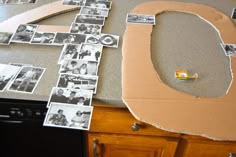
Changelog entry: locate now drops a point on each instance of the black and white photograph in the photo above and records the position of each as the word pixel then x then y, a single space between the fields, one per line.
pixel 90 52
pixel 26 80
pixel 5 38
pixel 69 51
pixel 83 28
pixel 107 40
pixel 94 11
pixel 90 19
pixel 81 67
pixel 71 96
pixel 20 1
pixel 27 1
pixel 69 116
pixel 229 49
pixel 69 38
pixel 141 19
pixel 43 38
pixel 98 4
pixel 7 73
pixel 87 82
pixel 74 2
pixel 24 33
pixel 233 16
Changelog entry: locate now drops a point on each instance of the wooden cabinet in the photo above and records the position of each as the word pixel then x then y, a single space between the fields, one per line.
pixel 131 146
pixel 192 146
pixel 115 132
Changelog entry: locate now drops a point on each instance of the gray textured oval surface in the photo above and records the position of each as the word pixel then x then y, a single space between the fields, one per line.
pixel 184 41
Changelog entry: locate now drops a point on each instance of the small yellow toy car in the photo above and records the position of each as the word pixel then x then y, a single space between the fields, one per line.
pixel 183 75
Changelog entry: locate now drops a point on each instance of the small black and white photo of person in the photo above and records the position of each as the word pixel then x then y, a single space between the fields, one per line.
pixel 5 38
pixel 69 38
pixel 90 52
pixel 90 19
pixel 7 73
pixel 81 67
pixel 24 33
pixel 87 82
pixel 69 51
pixel 58 95
pixel 98 4
pixel 71 96
pixel 233 16
pixel 74 2
pixel 141 19
pixel 83 28
pixel 43 38
pixel 229 49
pixel 58 118
pixel 94 11
pixel 68 116
pixel 81 119
pixel 107 40
pixel 27 79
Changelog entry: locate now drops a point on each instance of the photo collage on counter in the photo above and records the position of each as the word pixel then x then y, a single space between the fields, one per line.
pixel 70 101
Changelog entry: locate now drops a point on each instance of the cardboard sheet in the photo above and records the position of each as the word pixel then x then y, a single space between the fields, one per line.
pixel 36 15
pixel 156 103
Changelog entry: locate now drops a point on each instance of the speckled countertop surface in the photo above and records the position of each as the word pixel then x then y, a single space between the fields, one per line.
pixel 176 36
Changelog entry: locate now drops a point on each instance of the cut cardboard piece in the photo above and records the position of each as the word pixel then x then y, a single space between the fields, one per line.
pixel 153 102
pixel 38 14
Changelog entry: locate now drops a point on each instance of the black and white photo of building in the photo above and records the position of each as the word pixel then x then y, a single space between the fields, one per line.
pixel 90 19
pixel 141 19
pixel 86 82
pixel 94 11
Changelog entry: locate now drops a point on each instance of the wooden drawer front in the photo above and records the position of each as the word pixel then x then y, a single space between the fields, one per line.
pixel 120 120
pixel 131 146
pixel 197 148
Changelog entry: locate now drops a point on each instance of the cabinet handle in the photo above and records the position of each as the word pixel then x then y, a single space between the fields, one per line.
pixel 232 154
pixel 135 127
pixel 95 143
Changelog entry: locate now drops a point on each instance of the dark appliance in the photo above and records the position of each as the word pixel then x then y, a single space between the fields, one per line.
pixel 22 132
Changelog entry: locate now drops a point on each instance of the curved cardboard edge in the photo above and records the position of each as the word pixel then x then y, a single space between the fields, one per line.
pixel 160 105
pixel 35 15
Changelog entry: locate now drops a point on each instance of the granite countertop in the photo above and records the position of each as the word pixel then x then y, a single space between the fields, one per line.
pixel 170 27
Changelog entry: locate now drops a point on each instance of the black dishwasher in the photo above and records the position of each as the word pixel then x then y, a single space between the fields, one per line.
pixel 22 132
